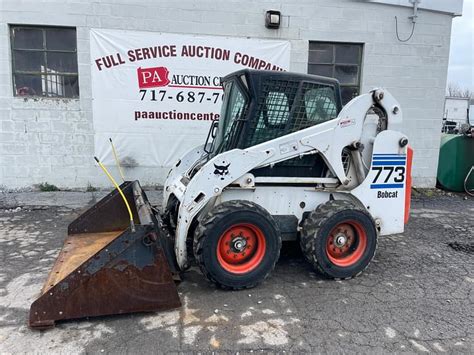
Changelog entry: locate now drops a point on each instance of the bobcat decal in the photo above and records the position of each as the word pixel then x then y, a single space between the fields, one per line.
pixel 221 170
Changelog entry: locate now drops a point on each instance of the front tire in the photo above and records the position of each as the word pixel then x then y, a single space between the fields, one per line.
pixel 339 239
pixel 237 244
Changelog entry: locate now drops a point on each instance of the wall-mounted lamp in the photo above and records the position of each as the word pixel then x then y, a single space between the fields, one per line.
pixel 272 19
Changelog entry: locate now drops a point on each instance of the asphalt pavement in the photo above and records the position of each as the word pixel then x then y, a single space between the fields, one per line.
pixel 416 297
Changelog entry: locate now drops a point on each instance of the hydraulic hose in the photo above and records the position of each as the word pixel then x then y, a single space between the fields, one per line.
pixel 132 223
pixel 116 159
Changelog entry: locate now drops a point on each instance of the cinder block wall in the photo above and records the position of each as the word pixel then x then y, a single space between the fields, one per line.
pixel 52 139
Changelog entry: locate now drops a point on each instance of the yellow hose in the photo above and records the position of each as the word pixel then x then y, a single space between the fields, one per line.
pixel 132 224
pixel 116 159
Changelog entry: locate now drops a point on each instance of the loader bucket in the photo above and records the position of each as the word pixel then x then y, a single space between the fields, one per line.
pixel 105 268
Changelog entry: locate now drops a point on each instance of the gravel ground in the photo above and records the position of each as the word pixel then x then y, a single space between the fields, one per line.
pixel 417 296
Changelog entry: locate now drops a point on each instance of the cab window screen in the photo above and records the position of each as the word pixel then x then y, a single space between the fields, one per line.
pixel 288 106
pixel 315 104
pixel 277 109
pixel 273 111
pixel 320 104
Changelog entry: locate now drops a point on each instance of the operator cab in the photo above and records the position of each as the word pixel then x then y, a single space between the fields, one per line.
pixel 263 105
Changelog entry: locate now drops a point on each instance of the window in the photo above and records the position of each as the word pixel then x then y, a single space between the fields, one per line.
pixel 337 60
pixel 237 103
pixel 234 108
pixel 44 61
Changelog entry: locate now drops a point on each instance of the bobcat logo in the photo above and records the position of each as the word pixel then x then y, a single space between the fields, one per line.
pixel 221 170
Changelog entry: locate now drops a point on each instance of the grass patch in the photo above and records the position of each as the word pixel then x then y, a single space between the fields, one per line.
pixel 44 187
pixel 417 192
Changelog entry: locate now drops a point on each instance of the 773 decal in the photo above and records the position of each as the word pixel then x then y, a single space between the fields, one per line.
pixel 390 171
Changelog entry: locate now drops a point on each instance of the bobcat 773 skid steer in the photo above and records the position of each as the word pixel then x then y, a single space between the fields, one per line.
pixel 285 162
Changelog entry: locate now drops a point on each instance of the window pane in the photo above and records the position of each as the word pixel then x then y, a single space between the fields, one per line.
pixel 28 61
pixel 348 93
pixel 321 53
pixel 62 62
pixel 348 54
pixel 61 39
pixel 71 86
pixel 26 85
pixel 347 74
pixel 323 70
pixel 60 85
pixel 27 38
pixel 54 85
pixel 237 106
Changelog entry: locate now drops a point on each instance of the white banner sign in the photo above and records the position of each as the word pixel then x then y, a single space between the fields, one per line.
pixel 156 94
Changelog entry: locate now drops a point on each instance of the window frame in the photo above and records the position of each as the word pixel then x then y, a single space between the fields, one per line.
pixel 334 63
pixel 226 122
pixel 44 50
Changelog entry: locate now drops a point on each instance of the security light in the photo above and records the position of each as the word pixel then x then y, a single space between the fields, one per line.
pixel 272 19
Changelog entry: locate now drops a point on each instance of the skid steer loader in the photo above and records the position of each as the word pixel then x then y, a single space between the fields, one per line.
pixel 284 162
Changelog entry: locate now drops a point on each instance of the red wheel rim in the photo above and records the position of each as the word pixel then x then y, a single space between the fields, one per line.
pixel 346 243
pixel 241 248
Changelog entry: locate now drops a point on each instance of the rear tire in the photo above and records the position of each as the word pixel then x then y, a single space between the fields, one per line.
pixel 237 244
pixel 339 239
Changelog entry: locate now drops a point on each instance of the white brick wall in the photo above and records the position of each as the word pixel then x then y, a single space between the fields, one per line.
pixel 52 140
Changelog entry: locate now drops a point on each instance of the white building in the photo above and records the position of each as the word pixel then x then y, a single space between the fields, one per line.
pixel 51 94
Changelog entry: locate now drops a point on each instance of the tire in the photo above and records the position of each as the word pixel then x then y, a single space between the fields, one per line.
pixel 339 239
pixel 237 245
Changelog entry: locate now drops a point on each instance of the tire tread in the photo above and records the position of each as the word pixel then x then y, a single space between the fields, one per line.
pixel 312 225
pixel 208 223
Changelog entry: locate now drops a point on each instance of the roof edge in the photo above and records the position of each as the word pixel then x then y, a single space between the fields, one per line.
pixel 451 7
